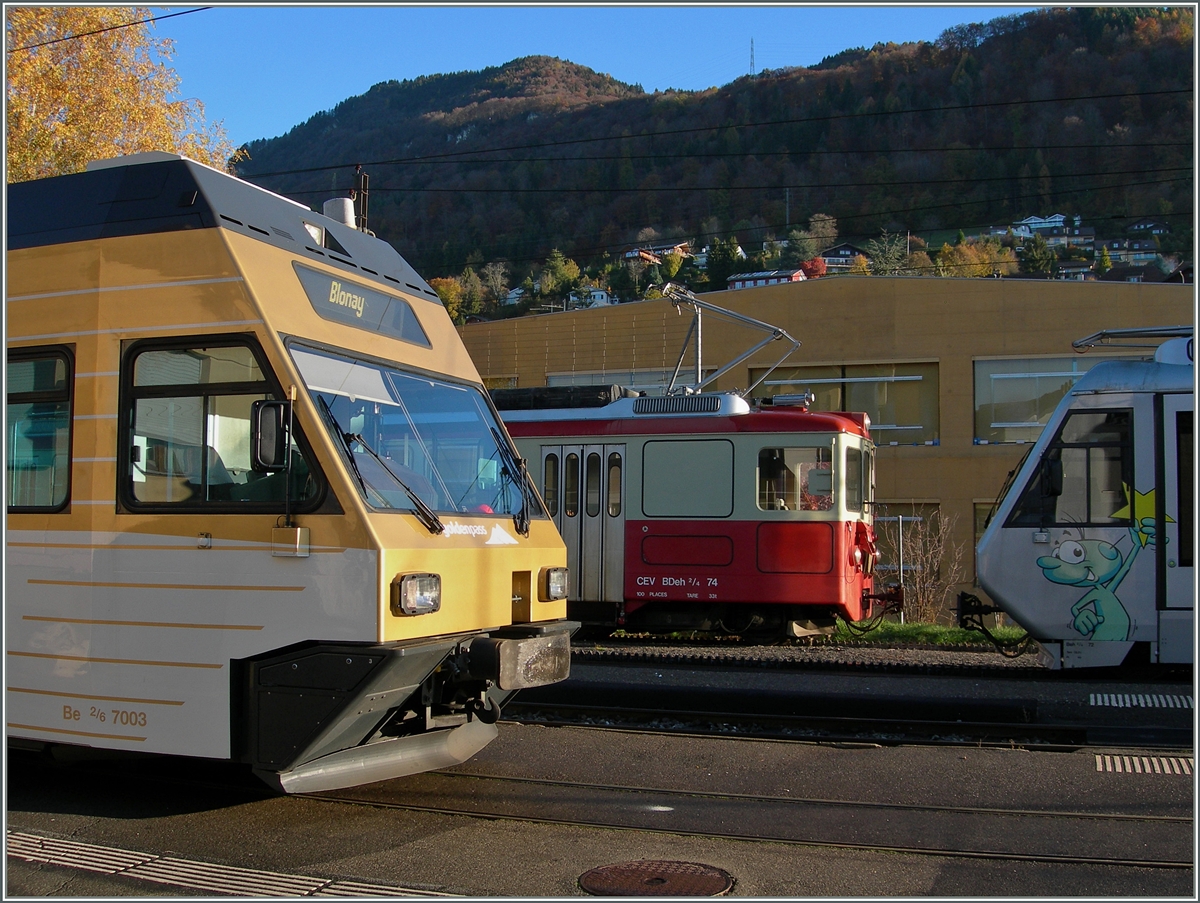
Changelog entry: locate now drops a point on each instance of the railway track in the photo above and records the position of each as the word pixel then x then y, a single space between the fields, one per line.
pixel 756 692
pixel 1058 837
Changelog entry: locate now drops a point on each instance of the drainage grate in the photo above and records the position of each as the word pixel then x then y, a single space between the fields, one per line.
pixel 1144 764
pixel 1141 700
pixel 656 878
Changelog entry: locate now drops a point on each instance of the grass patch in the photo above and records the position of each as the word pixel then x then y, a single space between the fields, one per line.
pixel 932 634
pixel 886 632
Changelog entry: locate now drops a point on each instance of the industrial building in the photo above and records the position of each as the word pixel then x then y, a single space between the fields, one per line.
pixel 957 375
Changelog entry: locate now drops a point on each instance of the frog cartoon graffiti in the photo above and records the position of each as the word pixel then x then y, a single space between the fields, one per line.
pixel 1100 567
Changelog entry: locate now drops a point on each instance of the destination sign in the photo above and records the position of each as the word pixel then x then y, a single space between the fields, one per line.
pixel 352 304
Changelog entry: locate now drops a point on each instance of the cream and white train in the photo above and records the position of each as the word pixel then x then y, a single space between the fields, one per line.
pixel 260 507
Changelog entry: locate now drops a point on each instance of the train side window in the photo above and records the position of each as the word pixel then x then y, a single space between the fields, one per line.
pixel 38 422
pixel 614 485
pixel 795 479
pixel 1184 459
pixel 854 479
pixel 571 486
pixel 550 483
pixel 593 484
pixel 189 430
pixel 1083 475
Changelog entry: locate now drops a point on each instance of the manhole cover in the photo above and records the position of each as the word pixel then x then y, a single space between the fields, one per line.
pixel 656 878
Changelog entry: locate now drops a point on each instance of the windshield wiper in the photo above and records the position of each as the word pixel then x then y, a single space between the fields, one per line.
pixel 517 465
pixel 344 438
pixel 425 514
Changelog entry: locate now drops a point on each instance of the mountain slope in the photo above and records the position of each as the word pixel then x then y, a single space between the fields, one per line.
pixel 1078 111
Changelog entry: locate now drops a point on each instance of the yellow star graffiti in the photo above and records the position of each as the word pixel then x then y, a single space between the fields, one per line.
pixel 1141 504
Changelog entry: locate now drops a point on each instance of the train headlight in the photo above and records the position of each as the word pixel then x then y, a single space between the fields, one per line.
pixel 416 594
pixel 552 584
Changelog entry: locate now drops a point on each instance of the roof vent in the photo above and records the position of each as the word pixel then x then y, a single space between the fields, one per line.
pixel 341 210
pixel 677 404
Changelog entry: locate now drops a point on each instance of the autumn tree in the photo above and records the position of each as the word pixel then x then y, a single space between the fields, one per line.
pixel 671 262
pixel 472 291
pixel 495 279
pixel 450 293
pixel 90 83
pixel 975 258
pixel 813 269
pixel 559 276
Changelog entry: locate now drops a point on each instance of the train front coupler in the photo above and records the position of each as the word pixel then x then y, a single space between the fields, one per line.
pixel 892 598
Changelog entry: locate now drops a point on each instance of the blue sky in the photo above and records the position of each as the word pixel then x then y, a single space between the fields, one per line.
pixel 263 70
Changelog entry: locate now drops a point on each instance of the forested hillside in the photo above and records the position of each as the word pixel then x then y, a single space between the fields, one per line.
pixel 1076 111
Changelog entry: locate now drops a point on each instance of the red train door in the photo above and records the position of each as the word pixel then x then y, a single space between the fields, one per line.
pixel 584 487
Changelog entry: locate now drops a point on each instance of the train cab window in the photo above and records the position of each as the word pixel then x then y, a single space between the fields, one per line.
pixel 189 440
pixel 550 483
pixel 593 484
pixel 38 422
pixel 571 486
pixel 1082 477
pixel 1184 459
pixel 795 479
pixel 854 479
pixel 614 485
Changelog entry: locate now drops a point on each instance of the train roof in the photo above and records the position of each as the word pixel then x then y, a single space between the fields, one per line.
pixel 1135 376
pixel 609 410
pixel 159 192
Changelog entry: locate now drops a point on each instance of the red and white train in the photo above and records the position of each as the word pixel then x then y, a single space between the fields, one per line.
pixel 701 511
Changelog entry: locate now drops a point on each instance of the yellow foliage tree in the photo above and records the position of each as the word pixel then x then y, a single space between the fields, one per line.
pixel 84 84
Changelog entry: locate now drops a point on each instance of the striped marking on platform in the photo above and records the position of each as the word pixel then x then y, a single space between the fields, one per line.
pixel 203 876
pixel 1141 700
pixel 1145 764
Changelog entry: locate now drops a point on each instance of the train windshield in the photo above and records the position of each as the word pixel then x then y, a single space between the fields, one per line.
pixel 406 434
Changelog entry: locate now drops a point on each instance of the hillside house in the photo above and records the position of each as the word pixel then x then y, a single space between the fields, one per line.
pixel 767 277
pixel 1130 250
pixel 652 255
pixel 584 298
pixel 1147 226
pixel 840 258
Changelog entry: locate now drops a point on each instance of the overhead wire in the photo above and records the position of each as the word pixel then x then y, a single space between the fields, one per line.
pixel 688 188
pixel 88 34
pixel 716 128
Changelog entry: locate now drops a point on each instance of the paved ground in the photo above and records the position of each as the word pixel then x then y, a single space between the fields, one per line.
pixel 475 856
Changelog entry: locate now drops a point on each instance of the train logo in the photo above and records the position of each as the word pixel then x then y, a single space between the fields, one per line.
pixel 1100 566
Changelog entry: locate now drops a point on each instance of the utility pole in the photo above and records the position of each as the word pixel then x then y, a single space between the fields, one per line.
pixel 787 218
pixel 752 57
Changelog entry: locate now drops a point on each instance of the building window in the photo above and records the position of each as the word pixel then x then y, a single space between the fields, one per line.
pixel 1014 398
pixel 188 446
pixel 900 399
pixel 38 422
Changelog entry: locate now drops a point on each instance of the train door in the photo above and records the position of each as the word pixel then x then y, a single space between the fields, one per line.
pixel 583 486
pixel 1176 569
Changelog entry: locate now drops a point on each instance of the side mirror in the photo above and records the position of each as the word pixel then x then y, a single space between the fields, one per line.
pixel 269 438
pixel 1052 477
